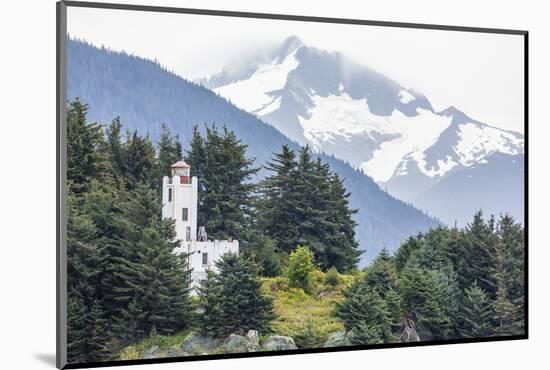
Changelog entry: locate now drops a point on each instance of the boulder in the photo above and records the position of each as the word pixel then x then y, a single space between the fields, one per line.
pixel 240 344
pixel 253 336
pixel 195 344
pixel 337 339
pixel 151 352
pixel 424 332
pixel 176 352
pixel 278 343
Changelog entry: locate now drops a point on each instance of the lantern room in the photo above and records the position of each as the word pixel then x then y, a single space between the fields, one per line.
pixel 182 170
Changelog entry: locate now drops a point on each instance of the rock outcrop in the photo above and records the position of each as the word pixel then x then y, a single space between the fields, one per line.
pixel 197 344
pixel 151 352
pixel 337 339
pixel 278 343
pixel 240 344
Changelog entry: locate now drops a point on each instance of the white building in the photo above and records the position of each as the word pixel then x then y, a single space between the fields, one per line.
pixel 180 202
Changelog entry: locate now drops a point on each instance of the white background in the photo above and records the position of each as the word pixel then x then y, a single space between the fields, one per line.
pixel 27 183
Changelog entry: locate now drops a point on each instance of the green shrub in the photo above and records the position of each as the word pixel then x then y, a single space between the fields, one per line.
pixel 308 334
pixel 300 268
pixel 332 277
pixel 276 283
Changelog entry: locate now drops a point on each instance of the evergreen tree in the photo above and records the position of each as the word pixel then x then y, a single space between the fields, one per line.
pixel 434 253
pixel 479 255
pixel 313 207
pixel 111 245
pixel 365 315
pixel 475 314
pixel 451 299
pixel 381 277
pixel 343 247
pixel 279 217
pixel 226 188
pixel 508 306
pixel 157 279
pixel 262 250
pixel 455 249
pixel 304 203
pixel 393 303
pixel 127 325
pixel 98 346
pixel 424 292
pixel 511 256
pixel 196 158
pixel 84 159
pixel 169 151
pixel 87 332
pixel 115 146
pixel 140 161
pixel 212 316
pixel 77 328
pixel 408 248
pixel 232 299
pixel 505 314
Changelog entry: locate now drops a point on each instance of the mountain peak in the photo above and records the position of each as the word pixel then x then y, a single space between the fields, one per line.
pixel 288 46
pixel 458 115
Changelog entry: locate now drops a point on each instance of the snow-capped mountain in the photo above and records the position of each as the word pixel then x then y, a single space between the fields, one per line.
pixel 144 94
pixel 363 117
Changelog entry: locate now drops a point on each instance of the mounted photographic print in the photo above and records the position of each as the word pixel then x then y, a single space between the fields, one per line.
pixel 239 184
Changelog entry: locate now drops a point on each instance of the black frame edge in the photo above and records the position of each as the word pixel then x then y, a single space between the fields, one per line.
pixel 526 180
pixel 291 352
pixel 61 194
pixel 290 17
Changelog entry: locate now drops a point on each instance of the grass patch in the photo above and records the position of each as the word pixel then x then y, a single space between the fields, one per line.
pixel 164 342
pixel 308 318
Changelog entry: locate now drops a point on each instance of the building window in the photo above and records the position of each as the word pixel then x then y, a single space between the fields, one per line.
pixel 170 194
pixel 205 258
pixel 188 233
pixel 184 214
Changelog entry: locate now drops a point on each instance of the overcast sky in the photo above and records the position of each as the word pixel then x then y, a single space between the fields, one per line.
pixel 481 74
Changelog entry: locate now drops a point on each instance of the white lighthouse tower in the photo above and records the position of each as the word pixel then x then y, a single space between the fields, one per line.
pixel 180 202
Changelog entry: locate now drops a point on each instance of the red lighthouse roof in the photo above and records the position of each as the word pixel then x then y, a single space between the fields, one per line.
pixel 180 164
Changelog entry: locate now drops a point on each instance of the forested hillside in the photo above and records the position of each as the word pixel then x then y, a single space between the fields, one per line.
pixel 144 95
pixel 445 284
pixel 126 286
pixel 124 280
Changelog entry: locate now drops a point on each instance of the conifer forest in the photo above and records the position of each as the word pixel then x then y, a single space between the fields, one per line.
pixel 296 281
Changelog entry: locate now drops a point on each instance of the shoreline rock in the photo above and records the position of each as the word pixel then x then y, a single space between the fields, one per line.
pixel 337 339
pixel 196 344
pixel 278 343
pixel 240 344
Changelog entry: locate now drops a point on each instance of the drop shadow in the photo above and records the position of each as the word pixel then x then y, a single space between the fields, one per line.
pixel 46 358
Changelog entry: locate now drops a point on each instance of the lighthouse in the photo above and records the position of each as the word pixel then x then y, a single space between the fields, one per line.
pixel 180 199
pixel 180 203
